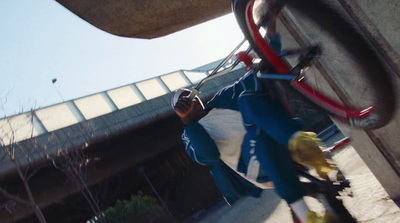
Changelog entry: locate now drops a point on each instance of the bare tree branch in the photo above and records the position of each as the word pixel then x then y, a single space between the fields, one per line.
pixel 15 198
pixel 72 163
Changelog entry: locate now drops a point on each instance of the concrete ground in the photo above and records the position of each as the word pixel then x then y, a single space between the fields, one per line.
pixel 369 204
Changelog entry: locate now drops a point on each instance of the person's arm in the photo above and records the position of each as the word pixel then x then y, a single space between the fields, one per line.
pixel 227 96
pixel 200 149
pixel 231 185
pixel 199 145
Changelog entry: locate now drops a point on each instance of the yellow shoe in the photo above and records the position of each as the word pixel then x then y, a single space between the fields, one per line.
pixel 305 148
pixel 312 217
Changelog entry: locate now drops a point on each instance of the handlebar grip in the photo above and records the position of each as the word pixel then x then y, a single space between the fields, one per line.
pixel 193 93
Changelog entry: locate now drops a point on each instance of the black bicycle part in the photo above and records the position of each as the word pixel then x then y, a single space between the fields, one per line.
pixel 305 59
pixel 329 190
pixel 337 205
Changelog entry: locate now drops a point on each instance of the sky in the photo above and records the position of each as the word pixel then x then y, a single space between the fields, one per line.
pixel 42 40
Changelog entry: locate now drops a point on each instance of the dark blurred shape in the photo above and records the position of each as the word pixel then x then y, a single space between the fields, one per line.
pixel 146 19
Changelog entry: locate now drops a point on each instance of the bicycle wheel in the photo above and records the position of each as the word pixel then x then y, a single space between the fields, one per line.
pixel 370 106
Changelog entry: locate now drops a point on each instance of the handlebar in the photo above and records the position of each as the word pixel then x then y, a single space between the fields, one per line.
pixel 215 72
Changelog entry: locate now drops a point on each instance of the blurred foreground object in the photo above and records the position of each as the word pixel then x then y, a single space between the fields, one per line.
pixel 146 19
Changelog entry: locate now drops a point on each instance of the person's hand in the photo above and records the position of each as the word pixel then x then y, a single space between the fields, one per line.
pixel 183 107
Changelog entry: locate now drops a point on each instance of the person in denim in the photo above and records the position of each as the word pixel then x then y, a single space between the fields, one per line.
pixel 245 136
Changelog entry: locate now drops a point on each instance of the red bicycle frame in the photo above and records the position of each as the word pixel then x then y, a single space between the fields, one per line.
pixel 282 68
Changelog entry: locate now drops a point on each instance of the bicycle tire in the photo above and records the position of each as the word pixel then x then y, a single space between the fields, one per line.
pixel 339 209
pixel 343 31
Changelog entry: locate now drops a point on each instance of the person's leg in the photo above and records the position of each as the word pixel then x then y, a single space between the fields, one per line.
pixel 259 109
pixel 275 164
pixel 275 160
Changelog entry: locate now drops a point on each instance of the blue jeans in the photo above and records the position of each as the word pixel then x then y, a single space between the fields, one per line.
pixel 269 128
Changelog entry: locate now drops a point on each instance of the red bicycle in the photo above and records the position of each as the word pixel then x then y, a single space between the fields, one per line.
pixel 326 40
pixel 330 41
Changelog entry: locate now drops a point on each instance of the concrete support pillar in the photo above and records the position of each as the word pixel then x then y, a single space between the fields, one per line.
pixel 379 22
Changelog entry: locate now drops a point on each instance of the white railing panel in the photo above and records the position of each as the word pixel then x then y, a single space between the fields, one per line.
pixel 16 128
pixel 151 88
pixel 124 97
pixel 93 106
pixel 56 117
pixel 174 81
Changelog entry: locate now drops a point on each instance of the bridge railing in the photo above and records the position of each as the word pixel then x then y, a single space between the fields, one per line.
pixel 40 121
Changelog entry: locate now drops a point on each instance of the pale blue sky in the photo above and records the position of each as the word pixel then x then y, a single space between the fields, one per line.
pixel 41 40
